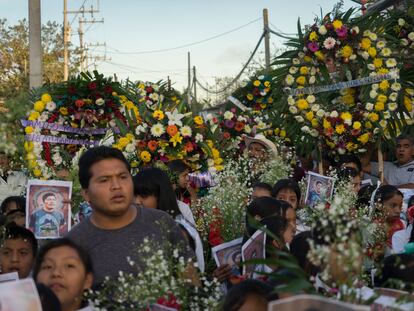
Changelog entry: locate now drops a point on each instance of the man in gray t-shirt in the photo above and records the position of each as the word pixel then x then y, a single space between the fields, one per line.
pixel 117 227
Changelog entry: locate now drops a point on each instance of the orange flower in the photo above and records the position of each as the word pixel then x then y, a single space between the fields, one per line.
pixel 141 144
pixel 172 130
pixel 226 135
pixel 152 145
pixel 189 146
pixel 239 126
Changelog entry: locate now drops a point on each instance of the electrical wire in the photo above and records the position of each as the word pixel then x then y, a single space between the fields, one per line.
pixel 74 17
pixel 238 76
pixel 189 44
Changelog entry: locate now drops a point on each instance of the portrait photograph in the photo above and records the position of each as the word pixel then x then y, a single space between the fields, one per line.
pixel 48 211
pixel 254 248
pixel 228 253
pixel 319 188
pixel 19 295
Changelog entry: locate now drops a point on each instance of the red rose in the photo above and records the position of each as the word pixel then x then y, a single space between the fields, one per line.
pixel 79 103
pixel 226 135
pixel 149 89
pixel 108 89
pixel 92 86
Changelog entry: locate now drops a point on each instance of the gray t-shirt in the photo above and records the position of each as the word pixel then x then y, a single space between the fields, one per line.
pixel 109 249
pixel 396 174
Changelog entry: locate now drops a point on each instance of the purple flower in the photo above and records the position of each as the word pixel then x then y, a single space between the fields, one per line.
pixel 313 46
pixel 229 124
pixel 342 32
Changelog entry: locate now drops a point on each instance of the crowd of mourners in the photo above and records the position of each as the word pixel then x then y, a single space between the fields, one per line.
pixel 157 205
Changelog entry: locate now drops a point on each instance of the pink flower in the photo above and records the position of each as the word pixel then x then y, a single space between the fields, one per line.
pixel 329 43
pixel 313 46
pixel 342 32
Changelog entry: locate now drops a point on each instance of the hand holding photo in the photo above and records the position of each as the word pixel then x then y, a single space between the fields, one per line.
pixel 254 248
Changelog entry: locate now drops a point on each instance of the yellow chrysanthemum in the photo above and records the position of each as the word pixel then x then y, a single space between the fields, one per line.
pixel 384 85
pixel 303 70
pixel 350 146
pixel 46 98
pixel 382 98
pixel 309 115
pixel 282 133
pixel 319 55
pixel 249 96
pixel 349 99
pixel 337 24
pixel 372 52
pixel 346 51
pixel 266 83
pixel 373 117
pixel 28 146
pixel 34 115
pixel 215 153
pixel 301 80
pixel 210 143
pixel 145 156
pixel 377 62
pixel 314 123
pixel 307 59
pixel 158 114
pixel 256 83
pixel 198 120
pixel 330 144
pixel 123 141
pixel 313 36
pixel 326 124
pixel 39 106
pixel 270 100
pixel 363 138
pixel 346 116
pixel 365 43
pixel 383 71
pixel 141 86
pixel 129 136
pixel 63 111
pixel 302 104
pixel 379 106
pixel 368 125
pixel 340 128
pixel 37 172
pixel 408 104
pixel 28 130
pixel 357 125
pixel 277 131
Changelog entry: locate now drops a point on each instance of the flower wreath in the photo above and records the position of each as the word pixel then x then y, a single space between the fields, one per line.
pixel 342 121
pixel 166 131
pixel 257 94
pixel 66 117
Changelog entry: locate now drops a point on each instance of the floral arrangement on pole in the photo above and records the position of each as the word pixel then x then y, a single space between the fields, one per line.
pixel 67 116
pixel 162 282
pixel 257 94
pixel 165 131
pixel 346 117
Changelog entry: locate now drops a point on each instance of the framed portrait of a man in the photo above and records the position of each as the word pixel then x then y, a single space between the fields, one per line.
pixel 319 189
pixel 48 211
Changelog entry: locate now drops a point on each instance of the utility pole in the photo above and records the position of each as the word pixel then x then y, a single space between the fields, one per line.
pixel 168 83
pixel 65 41
pixel 195 84
pixel 189 80
pixel 267 39
pixel 83 47
pixel 35 46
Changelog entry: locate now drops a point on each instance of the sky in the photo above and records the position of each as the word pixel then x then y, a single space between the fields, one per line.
pixel 135 30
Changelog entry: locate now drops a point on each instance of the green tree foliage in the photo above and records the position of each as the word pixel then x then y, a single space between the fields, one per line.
pixel 14 56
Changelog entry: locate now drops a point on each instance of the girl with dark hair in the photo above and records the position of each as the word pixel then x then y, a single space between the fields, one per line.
pixel 388 202
pixel 287 190
pixel 12 203
pixel 179 178
pixel 405 236
pixel 153 189
pixel 66 269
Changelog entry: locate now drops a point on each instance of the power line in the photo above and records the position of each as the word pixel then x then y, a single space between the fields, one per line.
pixel 79 11
pixel 189 44
pixel 240 73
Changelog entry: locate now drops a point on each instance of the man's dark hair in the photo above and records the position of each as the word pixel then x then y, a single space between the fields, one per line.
pixel 48 194
pixel 94 155
pixel 405 136
pixel 83 254
pixel 347 173
pixel 350 158
pixel 19 200
pixel 238 294
pixel 263 185
pixel 14 232
pixel 300 247
pixel 178 166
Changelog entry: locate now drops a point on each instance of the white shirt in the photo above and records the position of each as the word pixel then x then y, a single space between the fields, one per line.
pixel 185 210
pixel 400 238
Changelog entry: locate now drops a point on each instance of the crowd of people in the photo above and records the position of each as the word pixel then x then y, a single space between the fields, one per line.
pixel 156 204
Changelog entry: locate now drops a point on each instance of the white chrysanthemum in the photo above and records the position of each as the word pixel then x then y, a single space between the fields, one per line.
pixel 375 86
pixel 391 62
pixel 396 86
pixel 43 117
pixel 293 110
pixel 312 80
pixel 157 130
pixel 247 129
pixel 367 33
pixel 199 138
pixel 310 99
pixel 142 128
pixel 314 132
pixel 383 123
pixel 369 106
pixel 130 148
pixel 401 22
pixel 355 29
pixel 410 92
pixel 305 129
pixel 373 94
pixel 291 101
pixel 293 70
pixel 386 52
pixel 299 119
pixel 365 55
pixel 353 57
pixel 403 42
pixel 315 107
pixel 373 36
pixel 341 150
pixel 99 102
pixel 334 114
pixel 392 106
pixel 57 159
pixel 289 79
pixel 320 113
pixel 411 36
pixel 186 131
pixel 50 106
pixel 228 115
pixel 295 61
pixel 393 96
pixel 301 55
pixel 322 30
pixel 371 66
pixel 380 44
